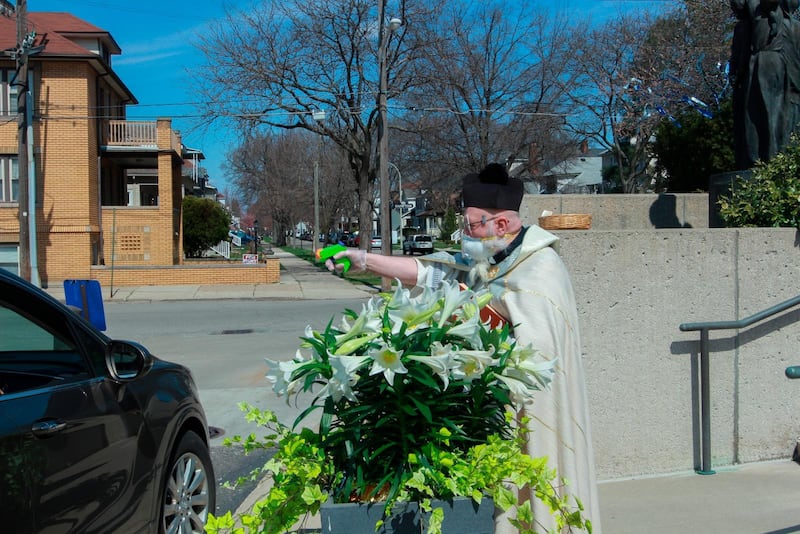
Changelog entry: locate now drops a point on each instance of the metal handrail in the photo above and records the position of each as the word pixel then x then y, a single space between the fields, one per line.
pixel 705 403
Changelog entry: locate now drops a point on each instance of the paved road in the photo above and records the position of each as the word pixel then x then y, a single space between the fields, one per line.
pixel 224 342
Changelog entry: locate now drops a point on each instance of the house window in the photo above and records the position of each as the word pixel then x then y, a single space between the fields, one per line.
pixel 9 91
pixel 9 257
pixel 9 178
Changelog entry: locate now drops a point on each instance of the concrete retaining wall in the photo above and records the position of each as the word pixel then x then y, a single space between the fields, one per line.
pixel 625 212
pixel 634 289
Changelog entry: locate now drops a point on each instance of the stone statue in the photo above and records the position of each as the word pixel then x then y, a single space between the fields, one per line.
pixel 765 68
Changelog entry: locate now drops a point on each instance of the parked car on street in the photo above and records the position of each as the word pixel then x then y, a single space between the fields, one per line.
pixel 352 239
pixel 422 243
pixel 96 435
pixel 375 242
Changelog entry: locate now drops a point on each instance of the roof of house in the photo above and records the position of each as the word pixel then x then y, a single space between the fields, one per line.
pixel 54 31
pixel 58 33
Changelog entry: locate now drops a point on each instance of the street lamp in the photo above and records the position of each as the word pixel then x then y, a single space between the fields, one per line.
pixel 319 116
pixel 383 138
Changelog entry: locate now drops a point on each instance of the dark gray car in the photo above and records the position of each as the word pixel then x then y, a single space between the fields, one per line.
pixel 96 435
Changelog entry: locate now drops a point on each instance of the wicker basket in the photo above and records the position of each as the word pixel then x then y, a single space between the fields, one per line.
pixel 566 221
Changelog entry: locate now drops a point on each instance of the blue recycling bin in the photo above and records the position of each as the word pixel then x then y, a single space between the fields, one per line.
pixel 86 295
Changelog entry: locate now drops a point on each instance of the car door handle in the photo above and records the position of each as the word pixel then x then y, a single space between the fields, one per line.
pixel 45 428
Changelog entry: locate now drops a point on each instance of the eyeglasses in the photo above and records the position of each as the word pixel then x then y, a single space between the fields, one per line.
pixel 469 226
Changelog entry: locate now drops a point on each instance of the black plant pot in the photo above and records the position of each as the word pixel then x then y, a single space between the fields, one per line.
pixel 461 516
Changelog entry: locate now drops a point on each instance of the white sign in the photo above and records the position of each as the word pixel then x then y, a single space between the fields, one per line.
pixel 250 259
pixel 236 240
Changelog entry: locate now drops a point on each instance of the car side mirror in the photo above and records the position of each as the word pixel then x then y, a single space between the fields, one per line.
pixel 127 360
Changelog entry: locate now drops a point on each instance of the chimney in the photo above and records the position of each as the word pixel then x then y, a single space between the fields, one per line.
pixel 585 146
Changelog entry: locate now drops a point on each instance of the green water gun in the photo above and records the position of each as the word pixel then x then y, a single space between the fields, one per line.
pixel 332 250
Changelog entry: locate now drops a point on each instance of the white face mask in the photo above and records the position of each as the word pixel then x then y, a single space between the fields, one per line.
pixel 480 249
pixel 473 249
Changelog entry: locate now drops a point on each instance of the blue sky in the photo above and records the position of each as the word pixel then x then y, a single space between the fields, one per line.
pixel 157 55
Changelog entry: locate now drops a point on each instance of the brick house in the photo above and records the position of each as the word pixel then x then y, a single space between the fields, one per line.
pixel 108 190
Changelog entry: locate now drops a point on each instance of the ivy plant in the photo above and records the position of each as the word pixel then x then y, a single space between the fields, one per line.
pixel 301 473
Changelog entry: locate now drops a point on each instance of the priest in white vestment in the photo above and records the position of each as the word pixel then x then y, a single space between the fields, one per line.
pixel 531 289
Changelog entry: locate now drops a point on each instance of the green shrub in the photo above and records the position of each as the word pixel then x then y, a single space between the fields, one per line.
pixel 449 224
pixel 770 197
pixel 205 223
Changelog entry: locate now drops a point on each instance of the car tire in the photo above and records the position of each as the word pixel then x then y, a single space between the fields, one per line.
pixel 189 488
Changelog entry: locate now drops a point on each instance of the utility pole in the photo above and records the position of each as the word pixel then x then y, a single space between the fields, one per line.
pixel 383 136
pixel 26 192
pixel 21 81
pixel 26 177
pixel 383 145
pixel 319 116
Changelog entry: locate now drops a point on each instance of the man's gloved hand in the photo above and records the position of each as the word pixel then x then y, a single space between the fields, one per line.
pixel 357 257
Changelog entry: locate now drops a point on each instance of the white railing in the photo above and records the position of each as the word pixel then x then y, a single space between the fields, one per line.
pixel 455 237
pixel 223 248
pixel 132 133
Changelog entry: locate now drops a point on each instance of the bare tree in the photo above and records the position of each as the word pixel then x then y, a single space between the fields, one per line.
pixel 257 170
pixel 694 42
pixel 279 62
pixel 488 89
pixel 638 70
pixel 274 172
pixel 232 201
pixel 607 110
pixel 338 197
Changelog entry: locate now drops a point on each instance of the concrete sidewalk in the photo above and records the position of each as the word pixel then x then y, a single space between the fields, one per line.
pixel 756 498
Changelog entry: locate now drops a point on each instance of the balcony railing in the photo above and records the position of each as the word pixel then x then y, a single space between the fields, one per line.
pixel 132 133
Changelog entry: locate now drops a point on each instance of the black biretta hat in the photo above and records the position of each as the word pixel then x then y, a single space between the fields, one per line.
pixel 492 188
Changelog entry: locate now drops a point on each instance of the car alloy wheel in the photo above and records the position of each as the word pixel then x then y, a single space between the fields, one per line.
pixel 189 491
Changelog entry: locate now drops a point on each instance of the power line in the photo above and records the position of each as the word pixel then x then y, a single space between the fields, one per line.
pixel 131 112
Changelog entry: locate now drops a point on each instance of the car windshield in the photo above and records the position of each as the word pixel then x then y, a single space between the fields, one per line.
pixel 424 238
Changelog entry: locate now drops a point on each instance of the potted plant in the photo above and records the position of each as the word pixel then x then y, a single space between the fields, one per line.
pixel 417 396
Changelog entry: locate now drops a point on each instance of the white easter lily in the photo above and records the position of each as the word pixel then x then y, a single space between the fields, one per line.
pixel 387 360
pixel 344 377
pixel 469 330
pixel 441 361
pixel 280 374
pixel 520 390
pixel 310 333
pixel 336 389
pixel 531 362
pixel 346 366
pixel 367 322
pixel 414 313
pixel 454 299
pixel 472 363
